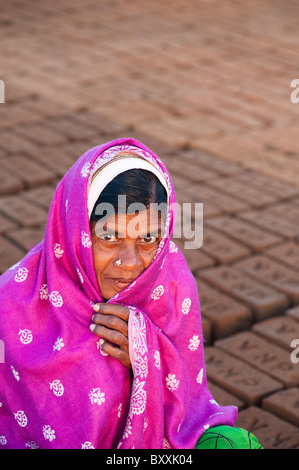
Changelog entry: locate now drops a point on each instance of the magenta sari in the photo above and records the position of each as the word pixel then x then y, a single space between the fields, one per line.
pixel 58 389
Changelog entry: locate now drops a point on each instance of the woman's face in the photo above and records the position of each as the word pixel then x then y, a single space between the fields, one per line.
pixel 132 239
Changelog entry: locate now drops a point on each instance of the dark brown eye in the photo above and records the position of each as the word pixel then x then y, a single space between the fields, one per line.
pixel 149 240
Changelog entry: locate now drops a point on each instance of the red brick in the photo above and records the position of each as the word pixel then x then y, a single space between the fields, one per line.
pixel 284 404
pixel 12 142
pixel 206 329
pixel 263 355
pixel 41 134
pixel 22 212
pixel 59 159
pixel 218 165
pixel 287 253
pixel 265 219
pixel 222 248
pixel 262 300
pixel 281 330
pixel 193 172
pixel 187 192
pixel 272 273
pixel 41 196
pixel 242 191
pixel 227 316
pixel 211 197
pixel 195 258
pixel 293 312
pixel 26 238
pixel 225 398
pixel 72 129
pixel 9 184
pixel 277 189
pixel 100 123
pixel 6 224
pixel 237 377
pixel 271 431
pixel 243 232
pixel 27 171
pixel 9 254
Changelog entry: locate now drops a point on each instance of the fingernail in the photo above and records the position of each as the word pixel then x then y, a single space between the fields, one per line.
pixel 92 327
pixel 97 307
pixel 101 341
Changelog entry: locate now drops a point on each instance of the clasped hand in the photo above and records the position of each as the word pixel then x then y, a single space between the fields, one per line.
pixel 111 324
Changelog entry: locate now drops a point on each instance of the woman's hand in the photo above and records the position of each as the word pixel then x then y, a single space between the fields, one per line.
pixel 111 324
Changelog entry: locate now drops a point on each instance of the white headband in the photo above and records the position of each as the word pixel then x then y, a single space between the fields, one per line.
pixel 103 175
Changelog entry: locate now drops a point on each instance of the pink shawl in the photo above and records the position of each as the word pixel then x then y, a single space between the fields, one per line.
pixel 58 389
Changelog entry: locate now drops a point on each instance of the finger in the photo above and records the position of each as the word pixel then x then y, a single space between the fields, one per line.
pixel 117 353
pixel 118 310
pixel 113 336
pixel 112 322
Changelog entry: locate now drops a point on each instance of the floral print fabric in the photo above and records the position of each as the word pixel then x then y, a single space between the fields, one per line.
pixel 58 389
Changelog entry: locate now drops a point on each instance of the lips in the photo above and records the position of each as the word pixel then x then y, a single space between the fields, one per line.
pixel 121 283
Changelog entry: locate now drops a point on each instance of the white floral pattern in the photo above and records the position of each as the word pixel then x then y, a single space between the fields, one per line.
pixel 25 336
pixel 96 396
pixel 157 359
pixel 3 440
pixel 21 275
pixel 87 445
pixel 186 305
pixel 31 445
pixel 58 344
pixel 99 346
pixel 56 299
pixel 15 373
pixel 138 398
pixel 43 292
pixel 48 432
pixel 21 418
pixel 85 240
pixel 200 376
pixel 172 382
pixel 80 276
pixel 194 342
pixel 85 170
pixel 58 252
pixel 57 388
pixel 158 292
pixel 172 247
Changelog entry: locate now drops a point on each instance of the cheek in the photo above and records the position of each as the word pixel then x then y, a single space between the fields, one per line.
pixel 147 258
pixel 100 260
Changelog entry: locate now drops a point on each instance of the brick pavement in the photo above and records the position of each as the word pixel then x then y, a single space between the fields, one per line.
pixel 207 86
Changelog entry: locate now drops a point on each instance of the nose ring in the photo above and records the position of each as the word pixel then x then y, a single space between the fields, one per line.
pixel 118 262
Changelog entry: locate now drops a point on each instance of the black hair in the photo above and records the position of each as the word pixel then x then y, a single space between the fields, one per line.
pixel 138 185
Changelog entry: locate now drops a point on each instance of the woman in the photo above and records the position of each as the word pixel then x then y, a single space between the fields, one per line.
pixel 101 321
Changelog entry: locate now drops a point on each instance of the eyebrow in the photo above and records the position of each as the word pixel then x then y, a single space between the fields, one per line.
pixel 153 233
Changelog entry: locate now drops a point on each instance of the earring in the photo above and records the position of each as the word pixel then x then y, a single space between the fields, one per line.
pixel 118 262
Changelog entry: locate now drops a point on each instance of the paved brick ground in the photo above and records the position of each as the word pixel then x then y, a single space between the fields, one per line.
pixel 207 86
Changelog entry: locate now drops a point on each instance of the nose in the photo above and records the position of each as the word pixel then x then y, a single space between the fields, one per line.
pixel 130 259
